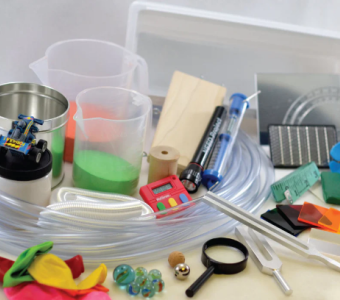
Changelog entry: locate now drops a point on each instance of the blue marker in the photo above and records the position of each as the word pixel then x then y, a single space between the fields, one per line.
pixel 229 130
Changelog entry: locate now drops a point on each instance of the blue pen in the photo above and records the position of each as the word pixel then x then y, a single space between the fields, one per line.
pixel 228 134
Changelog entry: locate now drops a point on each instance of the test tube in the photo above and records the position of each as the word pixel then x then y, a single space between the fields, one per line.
pixel 227 137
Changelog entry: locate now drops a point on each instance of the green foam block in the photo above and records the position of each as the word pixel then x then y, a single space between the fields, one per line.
pixel 331 187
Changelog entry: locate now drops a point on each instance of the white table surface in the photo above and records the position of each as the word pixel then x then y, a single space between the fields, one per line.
pixel 308 279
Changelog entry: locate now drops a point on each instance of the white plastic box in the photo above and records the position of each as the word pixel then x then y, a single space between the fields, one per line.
pixel 224 49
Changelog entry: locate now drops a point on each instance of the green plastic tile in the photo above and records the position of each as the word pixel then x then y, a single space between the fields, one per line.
pixel 331 187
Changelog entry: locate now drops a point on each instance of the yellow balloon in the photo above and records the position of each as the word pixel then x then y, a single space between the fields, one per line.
pixel 51 270
pixel 98 276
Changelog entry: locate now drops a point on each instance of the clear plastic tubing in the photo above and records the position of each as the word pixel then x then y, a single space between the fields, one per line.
pixel 248 176
pixel 93 205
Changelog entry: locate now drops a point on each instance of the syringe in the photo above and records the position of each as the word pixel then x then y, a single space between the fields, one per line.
pixel 229 130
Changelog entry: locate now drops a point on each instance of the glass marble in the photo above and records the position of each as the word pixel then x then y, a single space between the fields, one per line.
pixel 148 290
pixel 140 271
pixel 133 288
pixel 158 284
pixel 155 274
pixel 123 275
pixel 150 279
pixel 143 280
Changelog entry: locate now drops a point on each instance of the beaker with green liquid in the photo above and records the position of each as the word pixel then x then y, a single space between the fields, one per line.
pixel 111 124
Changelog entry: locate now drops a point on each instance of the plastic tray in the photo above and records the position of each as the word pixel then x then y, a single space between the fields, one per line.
pixel 224 49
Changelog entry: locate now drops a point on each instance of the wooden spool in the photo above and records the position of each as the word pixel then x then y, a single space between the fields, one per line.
pixel 163 162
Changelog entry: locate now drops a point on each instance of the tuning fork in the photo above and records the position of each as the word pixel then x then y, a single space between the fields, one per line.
pixel 263 255
pixel 269 230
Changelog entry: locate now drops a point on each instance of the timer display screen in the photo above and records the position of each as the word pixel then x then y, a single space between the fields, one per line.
pixel 162 188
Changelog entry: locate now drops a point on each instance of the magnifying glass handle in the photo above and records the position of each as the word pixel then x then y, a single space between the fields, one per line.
pixel 191 291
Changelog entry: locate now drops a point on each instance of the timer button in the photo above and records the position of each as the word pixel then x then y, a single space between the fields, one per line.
pixel 183 198
pixel 161 206
pixel 172 202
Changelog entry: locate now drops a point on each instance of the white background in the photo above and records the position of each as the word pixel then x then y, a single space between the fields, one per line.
pixel 28 27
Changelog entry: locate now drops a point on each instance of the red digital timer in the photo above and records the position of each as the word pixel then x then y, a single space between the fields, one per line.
pixel 165 193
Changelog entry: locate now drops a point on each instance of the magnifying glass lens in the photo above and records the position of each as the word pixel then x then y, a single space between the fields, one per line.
pixel 223 254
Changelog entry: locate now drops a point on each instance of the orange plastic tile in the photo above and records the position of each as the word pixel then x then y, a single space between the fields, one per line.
pixel 331 219
pixel 311 213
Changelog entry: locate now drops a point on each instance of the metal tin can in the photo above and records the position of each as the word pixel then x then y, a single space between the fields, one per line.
pixel 41 102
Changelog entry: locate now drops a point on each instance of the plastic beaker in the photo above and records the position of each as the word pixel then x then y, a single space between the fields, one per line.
pixel 111 126
pixel 72 66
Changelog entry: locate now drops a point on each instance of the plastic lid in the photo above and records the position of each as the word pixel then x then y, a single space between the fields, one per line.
pixel 210 177
pixel 17 168
pixel 238 101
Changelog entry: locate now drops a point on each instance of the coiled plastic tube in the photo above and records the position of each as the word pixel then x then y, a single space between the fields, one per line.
pixel 92 210
pixel 92 205
pixel 247 183
pixel 68 193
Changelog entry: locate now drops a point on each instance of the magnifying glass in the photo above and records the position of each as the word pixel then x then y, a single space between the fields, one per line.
pixel 216 267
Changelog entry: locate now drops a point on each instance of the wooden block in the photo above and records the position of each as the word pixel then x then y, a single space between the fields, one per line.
pixel 187 109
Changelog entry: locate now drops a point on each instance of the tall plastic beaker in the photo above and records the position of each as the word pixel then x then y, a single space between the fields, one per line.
pixel 72 66
pixel 111 125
